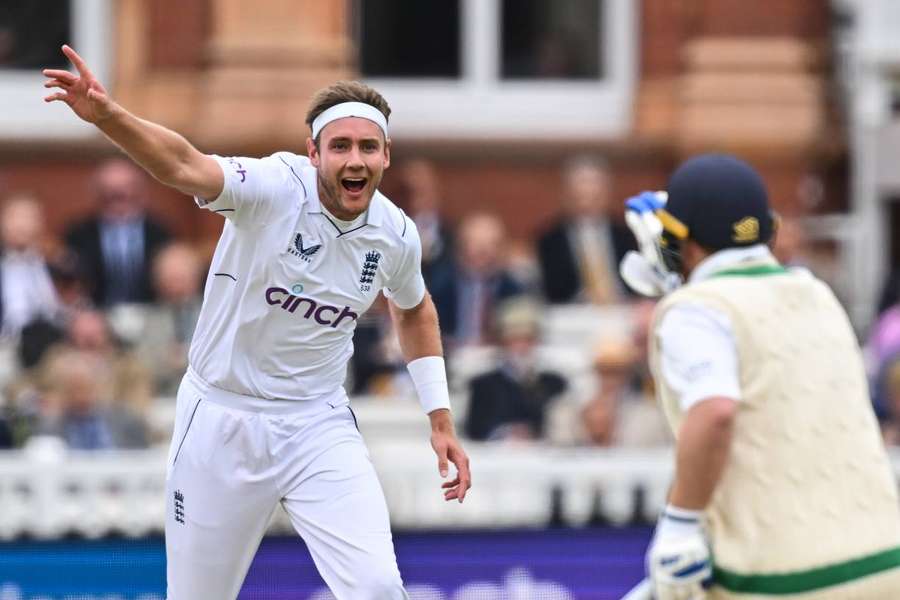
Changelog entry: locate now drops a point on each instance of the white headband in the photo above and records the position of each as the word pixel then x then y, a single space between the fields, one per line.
pixel 349 109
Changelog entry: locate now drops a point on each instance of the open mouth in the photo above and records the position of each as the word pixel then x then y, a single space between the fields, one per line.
pixel 353 184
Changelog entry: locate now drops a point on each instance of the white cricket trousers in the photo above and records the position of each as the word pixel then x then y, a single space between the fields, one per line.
pixel 234 458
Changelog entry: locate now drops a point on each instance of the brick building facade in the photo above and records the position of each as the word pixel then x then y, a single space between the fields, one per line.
pixel 235 77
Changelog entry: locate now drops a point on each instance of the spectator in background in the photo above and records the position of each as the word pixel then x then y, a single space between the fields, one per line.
pixel 511 401
pixel 28 302
pixel 423 199
pixel 377 359
pixel 70 282
pixel 89 332
pixel 622 413
pixel 27 293
pixel 890 292
pixel 887 399
pixel 124 382
pixel 71 291
pixel 467 296
pixel 884 339
pixel 579 255
pixel 77 405
pixel 168 325
pixel 117 245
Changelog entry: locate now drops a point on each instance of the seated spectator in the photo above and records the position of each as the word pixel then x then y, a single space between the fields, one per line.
pixel 117 245
pixel 70 282
pixel 511 401
pixel 77 405
pixel 467 296
pixel 579 254
pixel 168 326
pixel 131 386
pixel 621 413
pixel 27 289
pixel 27 296
pixel 42 333
pixel 123 378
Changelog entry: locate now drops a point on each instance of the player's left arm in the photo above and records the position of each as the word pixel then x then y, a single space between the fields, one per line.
pixel 700 363
pixel 420 340
pixel 704 441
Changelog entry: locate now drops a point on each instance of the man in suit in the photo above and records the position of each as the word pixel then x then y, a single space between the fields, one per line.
pixel 467 295
pixel 579 255
pixel 423 201
pixel 510 402
pixel 117 245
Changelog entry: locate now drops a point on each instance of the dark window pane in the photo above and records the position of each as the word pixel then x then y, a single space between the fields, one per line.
pixel 552 39
pixel 409 38
pixel 31 33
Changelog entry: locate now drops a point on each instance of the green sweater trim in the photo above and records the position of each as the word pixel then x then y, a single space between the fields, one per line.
pixel 806 581
pixel 756 271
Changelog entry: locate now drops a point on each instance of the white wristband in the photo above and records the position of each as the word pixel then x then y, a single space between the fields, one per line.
pixel 429 376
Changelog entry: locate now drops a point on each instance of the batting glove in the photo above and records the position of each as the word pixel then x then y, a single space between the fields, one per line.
pixel 678 559
pixel 646 202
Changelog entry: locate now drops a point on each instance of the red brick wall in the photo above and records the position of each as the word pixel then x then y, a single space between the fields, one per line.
pixel 793 18
pixel 177 32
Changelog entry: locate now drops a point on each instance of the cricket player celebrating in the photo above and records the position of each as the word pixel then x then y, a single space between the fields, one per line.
pixel 263 418
pixel 782 485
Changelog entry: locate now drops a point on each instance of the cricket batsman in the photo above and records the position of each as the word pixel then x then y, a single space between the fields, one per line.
pixel 782 488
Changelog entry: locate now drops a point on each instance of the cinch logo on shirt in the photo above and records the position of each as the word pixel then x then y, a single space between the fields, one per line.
pixel 322 313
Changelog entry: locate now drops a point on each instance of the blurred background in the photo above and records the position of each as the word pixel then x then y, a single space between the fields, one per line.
pixel 519 128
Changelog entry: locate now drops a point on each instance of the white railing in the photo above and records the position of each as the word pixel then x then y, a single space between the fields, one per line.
pixel 48 492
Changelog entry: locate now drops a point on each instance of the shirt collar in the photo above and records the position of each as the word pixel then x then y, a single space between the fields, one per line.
pixel 376 206
pixel 731 258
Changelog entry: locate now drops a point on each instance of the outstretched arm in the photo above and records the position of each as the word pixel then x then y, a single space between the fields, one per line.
pixel 165 154
pixel 420 340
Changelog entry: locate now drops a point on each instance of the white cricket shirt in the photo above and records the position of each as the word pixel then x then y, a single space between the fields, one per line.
pixel 698 351
pixel 287 285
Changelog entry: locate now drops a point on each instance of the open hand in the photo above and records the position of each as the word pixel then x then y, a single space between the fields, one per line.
pixel 448 449
pixel 83 93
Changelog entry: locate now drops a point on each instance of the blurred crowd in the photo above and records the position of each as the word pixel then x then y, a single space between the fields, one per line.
pixel 544 343
pixel 94 327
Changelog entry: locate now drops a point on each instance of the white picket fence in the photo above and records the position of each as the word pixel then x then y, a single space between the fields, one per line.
pixel 47 491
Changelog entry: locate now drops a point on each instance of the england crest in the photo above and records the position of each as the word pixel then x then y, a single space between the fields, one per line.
pixel 370 266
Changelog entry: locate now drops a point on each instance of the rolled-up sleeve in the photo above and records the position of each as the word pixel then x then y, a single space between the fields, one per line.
pixel 698 354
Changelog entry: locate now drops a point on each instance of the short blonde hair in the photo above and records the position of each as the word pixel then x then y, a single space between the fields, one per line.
pixel 345 91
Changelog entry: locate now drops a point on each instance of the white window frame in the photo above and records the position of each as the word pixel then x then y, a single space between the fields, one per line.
pixel 481 104
pixel 24 116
